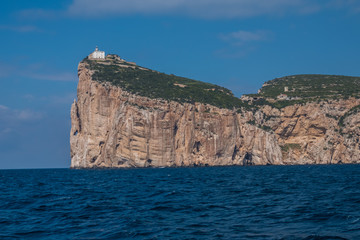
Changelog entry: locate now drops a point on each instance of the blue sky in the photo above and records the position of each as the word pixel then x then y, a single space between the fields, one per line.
pixel 238 44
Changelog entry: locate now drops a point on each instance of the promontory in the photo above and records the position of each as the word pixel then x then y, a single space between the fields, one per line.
pixel 126 116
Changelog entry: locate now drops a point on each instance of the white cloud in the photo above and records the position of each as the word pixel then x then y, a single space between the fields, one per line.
pixel 241 37
pixel 6 69
pixel 36 71
pixel 52 100
pixel 11 115
pixel 233 53
pixel 53 76
pixel 39 14
pixel 241 43
pixel 6 130
pixel 344 3
pixel 194 8
pixel 21 29
pixel 29 97
pixel 2 107
pixel 28 115
pixel 198 8
pixel 204 8
pixel 63 99
pixel 12 120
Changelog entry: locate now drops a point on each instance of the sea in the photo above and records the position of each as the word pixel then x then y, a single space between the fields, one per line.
pixel 254 202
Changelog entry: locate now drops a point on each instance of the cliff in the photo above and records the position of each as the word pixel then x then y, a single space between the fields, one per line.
pixel 115 124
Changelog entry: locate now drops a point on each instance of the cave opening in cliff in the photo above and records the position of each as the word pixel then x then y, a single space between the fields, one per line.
pixel 248 161
pixel 175 129
pixel 236 150
pixel 197 146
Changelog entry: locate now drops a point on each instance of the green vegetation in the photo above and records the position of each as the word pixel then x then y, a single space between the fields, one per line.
pixel 263 127
pixel 352 111
pixel 331 116
pixel 281 104
pixel 302 89
pixel 251 122
pixel 289 146
pixel 312 86
pixel 148 83
pixel 152 84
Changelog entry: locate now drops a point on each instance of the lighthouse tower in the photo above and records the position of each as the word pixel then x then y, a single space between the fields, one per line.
pixel 97 54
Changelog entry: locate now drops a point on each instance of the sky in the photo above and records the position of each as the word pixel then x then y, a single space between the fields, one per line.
pixel 238 44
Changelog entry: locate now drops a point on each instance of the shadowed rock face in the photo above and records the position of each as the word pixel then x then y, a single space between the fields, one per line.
pixel 113 128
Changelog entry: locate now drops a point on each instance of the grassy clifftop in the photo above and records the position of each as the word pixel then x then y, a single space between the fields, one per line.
pixel 312 86
pixel 301 89
pixel 153 84
pixel 291 89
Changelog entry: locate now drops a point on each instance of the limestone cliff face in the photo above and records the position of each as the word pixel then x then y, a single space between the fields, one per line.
pixel 311 133
pixel 113 128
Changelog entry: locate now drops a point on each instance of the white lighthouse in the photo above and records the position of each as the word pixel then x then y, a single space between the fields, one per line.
pixel 97 54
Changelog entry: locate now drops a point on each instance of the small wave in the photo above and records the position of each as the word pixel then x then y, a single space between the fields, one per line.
pixel 316 237
pixel 209 203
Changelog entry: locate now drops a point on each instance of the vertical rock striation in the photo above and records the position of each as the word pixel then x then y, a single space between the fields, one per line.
pixel 113 128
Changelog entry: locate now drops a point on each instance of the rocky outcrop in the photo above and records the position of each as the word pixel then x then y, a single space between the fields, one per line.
pixel 312 133
pixel 113 128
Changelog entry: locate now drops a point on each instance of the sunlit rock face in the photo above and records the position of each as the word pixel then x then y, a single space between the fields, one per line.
pixel 113 128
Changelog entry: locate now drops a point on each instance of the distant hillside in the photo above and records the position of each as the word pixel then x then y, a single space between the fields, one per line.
pixel 312 86
pixel 153 84
pixel 300 89
pixel 279 92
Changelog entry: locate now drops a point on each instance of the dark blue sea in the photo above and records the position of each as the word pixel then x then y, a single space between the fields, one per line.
pixel 257 202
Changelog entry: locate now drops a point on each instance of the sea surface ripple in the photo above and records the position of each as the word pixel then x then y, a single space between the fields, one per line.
pixel 259 202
